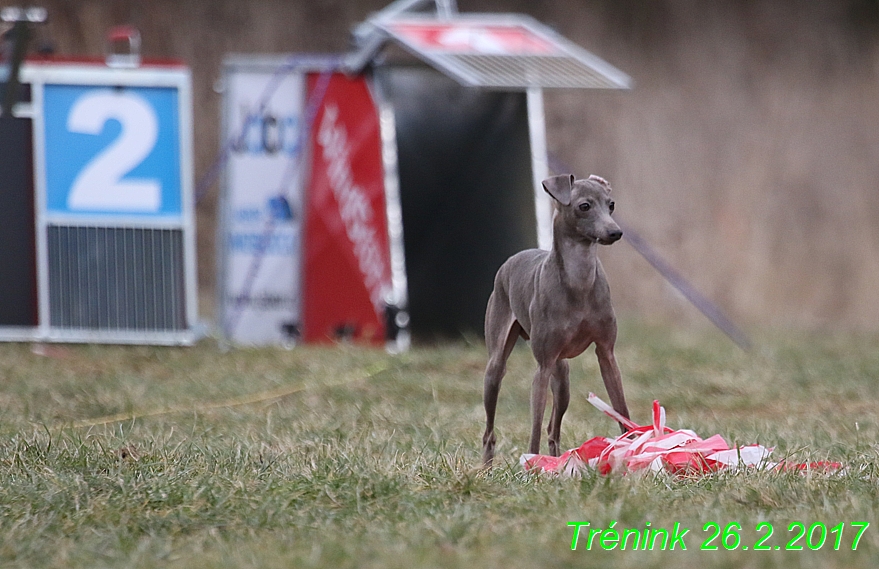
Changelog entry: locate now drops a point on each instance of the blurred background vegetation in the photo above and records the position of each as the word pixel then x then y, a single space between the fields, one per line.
pixel 747 154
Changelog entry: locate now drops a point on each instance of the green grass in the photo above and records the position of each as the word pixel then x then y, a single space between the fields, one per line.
pixel 369 460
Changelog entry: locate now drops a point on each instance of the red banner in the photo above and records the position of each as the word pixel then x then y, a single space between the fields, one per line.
pixel 346 270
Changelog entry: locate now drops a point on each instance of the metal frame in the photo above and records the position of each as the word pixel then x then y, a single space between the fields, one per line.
pixel 177 77
pixel 394 212
pixel 382 31
pixel 370 40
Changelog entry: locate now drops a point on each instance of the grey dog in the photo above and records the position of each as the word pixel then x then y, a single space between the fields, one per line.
pixel 560 300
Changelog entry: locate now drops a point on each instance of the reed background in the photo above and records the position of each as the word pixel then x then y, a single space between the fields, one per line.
pixel 747 154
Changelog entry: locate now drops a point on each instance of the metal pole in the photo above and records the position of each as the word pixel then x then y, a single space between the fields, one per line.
pixel 539 166
pixel 446 9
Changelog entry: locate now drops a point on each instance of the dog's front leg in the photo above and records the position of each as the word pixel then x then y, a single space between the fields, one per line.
pixel 539 387
pixel 561 396
pixel 613 381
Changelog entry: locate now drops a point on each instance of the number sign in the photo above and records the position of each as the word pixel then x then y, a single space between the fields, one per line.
pixel 112 151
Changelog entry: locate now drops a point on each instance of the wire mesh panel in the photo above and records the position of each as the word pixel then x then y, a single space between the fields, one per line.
pixel 512 71
pixel 106 278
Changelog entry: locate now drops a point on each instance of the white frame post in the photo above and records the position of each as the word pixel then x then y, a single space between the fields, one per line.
pixel 539 166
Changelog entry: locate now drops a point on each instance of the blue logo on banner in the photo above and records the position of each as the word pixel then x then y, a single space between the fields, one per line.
pixel 112 150
pixel 279 209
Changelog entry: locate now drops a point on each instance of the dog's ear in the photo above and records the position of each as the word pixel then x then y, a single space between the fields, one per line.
pixel 559 187
pixel 601 181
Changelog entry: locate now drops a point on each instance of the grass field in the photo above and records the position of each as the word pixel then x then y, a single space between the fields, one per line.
pixel 346 457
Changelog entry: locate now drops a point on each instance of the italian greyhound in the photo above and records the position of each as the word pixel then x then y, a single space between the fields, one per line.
pixel 560 300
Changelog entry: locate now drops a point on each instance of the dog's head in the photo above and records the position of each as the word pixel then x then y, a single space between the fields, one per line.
pixel 583 208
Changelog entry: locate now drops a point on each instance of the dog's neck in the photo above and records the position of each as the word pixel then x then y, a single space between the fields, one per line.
pixel 576 261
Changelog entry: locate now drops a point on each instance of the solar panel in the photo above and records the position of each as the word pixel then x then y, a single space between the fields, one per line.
pixel 502 52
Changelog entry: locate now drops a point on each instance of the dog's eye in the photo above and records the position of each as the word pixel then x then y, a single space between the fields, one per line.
pixel 610 206
pixel 585 206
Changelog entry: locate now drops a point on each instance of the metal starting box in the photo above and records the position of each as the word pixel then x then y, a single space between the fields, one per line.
pixel 97 243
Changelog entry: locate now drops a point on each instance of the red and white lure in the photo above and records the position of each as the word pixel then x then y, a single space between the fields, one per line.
pixel 655 448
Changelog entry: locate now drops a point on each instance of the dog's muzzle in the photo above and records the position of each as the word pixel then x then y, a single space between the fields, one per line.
pixel 611 237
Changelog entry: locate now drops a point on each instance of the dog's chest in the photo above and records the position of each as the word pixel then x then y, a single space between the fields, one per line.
pixel 568 332
pixel 578 336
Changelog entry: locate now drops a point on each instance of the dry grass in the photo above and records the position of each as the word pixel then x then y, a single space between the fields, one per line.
pixel 370 460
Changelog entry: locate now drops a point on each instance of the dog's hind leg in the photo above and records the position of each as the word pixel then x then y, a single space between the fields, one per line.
pixel 561 396
pixel 502 331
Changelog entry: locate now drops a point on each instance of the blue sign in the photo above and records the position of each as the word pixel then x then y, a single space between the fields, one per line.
pixel 112 150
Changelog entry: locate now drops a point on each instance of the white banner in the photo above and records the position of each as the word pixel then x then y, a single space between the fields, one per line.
pixel 262 227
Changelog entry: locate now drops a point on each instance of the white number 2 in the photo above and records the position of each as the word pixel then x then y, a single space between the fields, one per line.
pixel 99 186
